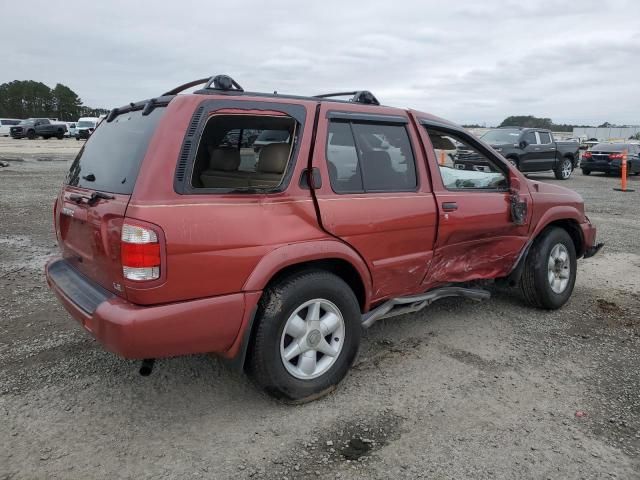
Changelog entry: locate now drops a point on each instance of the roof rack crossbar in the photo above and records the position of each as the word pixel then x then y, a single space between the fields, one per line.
pixel 359 96
pixel 184 86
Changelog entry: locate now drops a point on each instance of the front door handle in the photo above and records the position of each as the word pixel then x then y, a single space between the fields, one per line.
pixel 449 206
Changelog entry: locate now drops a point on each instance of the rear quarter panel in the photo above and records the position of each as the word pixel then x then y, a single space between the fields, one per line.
pixel 214 241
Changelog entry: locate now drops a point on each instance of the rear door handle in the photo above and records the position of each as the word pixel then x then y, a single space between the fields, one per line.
pixel 449 206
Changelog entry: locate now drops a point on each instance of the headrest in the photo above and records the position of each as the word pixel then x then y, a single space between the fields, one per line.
pixel 225 159
pixel 273 158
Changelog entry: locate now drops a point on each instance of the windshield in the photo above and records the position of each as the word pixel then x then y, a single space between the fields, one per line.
pixel 501 136
pixel 273 136
pixel 30 121
pixel 86 124
pixel 111 158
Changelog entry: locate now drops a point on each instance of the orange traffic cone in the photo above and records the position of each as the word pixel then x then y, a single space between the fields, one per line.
pixel 623 173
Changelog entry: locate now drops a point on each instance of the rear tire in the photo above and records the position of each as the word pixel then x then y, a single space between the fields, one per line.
pixel 586 171
pixel 564 169
pixel 550 270
pixel 60 135
pixel 286 358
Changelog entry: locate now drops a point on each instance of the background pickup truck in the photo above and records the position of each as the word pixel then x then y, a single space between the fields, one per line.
pixel 38 127
pixel 529 150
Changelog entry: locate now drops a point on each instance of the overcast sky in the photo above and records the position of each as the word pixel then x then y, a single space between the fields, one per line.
pixel 468 61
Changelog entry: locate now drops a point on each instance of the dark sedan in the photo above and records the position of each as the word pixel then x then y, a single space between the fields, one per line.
pixel 607 158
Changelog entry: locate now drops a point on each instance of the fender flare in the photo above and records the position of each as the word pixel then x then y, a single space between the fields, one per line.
pixel 558 212
pixel 296 253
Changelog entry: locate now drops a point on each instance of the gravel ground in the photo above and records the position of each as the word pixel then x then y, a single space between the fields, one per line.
pixel 459 390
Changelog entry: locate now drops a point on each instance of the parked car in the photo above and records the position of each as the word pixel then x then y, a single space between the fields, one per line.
pixel 531 150
pixel 38 127
pixel 170 244
pixel 71 129
pixel 85 127
pixel 607 158
pixel 6 124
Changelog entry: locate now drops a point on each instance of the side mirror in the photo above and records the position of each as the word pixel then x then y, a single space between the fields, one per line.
pixel 523 144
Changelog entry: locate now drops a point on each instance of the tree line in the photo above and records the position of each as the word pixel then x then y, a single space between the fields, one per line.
pixel 529 121
pixel 28 98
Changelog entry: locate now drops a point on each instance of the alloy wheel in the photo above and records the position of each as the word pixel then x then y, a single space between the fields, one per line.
pixel 312 339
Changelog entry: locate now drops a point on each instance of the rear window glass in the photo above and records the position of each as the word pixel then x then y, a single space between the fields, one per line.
pixel 612 147
pixel 370 157
pixel 111 158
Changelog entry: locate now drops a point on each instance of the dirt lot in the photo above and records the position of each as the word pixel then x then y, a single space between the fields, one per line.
pixel 460 390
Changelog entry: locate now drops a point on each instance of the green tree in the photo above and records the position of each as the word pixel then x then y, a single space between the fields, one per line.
pixel 528 121
pixel 66 103
pixel 27 98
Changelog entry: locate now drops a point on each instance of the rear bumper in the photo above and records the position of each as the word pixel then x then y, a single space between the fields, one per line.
pixel 209 325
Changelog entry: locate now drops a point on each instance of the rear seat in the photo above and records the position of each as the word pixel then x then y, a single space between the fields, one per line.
pixel 271 165
pixel 223 170
pixel 224 162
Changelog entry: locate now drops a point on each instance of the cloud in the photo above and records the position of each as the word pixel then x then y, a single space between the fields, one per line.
pixel 467 61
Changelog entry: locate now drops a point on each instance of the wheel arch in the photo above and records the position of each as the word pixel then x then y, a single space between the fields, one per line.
pixel 327 255
pixel 569 224
pixel 330 255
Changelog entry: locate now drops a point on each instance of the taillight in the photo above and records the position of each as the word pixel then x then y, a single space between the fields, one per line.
pixel 139 253
pixel 586 155
pixel 615 156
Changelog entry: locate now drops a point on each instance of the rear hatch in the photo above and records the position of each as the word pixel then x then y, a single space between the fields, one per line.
pixel 93 202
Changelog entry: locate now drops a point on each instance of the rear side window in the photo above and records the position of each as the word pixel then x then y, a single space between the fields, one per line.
pixel 244 152
pixel 370 157
pixel 544 137
pixel 111 158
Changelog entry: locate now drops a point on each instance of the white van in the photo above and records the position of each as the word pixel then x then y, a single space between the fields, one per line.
pixel 6 124
pixel 85 127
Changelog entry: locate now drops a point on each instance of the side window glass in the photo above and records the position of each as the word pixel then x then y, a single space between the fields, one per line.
pixel 530 138
pixel 462 166
pixel 386 157
pixel 545 138
pixel 244 152
pixel 342 159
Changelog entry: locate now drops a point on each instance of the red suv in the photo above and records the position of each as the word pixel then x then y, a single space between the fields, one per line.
pixel 178 235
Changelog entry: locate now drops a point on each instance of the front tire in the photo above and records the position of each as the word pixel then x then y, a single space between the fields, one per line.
pixel 307 336
pixel 31 134
pixel 564 169
pixel 514 162
pixel 550 270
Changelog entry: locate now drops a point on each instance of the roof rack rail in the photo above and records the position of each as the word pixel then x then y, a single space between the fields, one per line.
pixel 359 96
pixel 220 82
